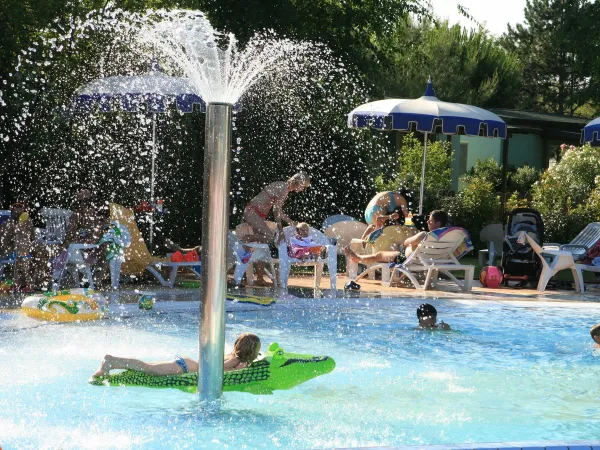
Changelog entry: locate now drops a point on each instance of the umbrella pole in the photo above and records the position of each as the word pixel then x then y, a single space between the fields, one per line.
pixel 423 176
pixel 152 179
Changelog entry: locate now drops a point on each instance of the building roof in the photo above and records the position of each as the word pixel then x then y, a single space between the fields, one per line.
pixel 549 125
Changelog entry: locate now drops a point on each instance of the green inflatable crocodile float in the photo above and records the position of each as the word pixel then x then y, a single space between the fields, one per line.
pixel 276 371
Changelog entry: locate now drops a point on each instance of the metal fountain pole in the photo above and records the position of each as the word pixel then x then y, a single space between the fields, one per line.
pixel 215 226
pixel 152 179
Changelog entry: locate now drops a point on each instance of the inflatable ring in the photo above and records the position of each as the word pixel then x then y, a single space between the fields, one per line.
pixel 244 298
pixel 390 238
pixel 66 306
pixel 278 370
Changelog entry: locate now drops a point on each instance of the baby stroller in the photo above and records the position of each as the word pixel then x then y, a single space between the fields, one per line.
pixel 519 261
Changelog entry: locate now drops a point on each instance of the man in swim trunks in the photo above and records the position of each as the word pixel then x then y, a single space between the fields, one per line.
pixel 437 219
pixel 383 207
pixel 273 196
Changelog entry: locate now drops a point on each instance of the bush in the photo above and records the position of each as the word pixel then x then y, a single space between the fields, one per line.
pixel 437 171
pixel 475 206
pixel 567 195
pixel 521 181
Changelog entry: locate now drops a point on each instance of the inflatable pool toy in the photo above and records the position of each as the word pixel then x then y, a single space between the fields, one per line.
pixel 244 298
pixel 389 238
pixel 278 370
pixel 66 306
pixel 491 276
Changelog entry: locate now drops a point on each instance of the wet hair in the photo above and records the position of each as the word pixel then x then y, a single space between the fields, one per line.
pixel 301 178
pixel 245 346
pixel 441 217
pixel 595 330
pixel 426 310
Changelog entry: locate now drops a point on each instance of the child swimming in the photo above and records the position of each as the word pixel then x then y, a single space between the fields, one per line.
pixel 245 350
pixel 427 315
pixel 595 333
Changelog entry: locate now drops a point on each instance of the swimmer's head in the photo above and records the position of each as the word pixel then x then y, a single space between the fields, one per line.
pixel 303 229
pixel 299 182
pixel 247 347
pixel 595 333
pixel 427 315
pixel 16 209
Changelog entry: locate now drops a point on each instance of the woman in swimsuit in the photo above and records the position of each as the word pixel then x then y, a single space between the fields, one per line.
pixel 382 208
pixel 273 196
pixel 245 350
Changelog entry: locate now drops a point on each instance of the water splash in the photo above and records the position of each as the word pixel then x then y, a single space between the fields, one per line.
pixel 293 96
pixel 217 68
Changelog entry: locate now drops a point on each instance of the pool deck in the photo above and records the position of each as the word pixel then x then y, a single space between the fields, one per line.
pixel 374 288
pixel 302 286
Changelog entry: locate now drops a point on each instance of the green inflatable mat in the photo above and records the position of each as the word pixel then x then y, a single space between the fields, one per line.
pixel 278 370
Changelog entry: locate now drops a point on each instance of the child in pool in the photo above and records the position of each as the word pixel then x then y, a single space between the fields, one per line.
pixel 595 333
pixel 301 245
pixel 427 315
pixel 245 350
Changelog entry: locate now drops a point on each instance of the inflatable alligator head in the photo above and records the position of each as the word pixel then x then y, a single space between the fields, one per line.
pixel 277 370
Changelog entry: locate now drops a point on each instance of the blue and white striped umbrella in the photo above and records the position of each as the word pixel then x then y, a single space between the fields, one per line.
pixel 127 93
pixel 591 132
pixel 427 114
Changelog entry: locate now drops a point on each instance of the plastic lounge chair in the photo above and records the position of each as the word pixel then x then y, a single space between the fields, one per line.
pixel 343 229
pixel 585 268
pixel 286 261
pixel 585 240
pixel 138 258
pixel 493 234
pixel 388 241
pixel 57 222
pixel 435 255
pixel 559 260
pixel 260 252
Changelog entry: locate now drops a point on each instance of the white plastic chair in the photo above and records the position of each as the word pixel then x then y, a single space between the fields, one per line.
pixel 343 231
pixel 559 260
pixel 286 261
pixel 435 255
pixel 585 240
pixel 493 234
pixel 260 253
pixel 57 222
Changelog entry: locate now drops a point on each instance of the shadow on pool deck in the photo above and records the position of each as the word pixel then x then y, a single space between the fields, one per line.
pixel 302 287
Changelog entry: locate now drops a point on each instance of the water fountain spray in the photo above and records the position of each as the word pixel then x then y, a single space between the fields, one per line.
pixel 221 74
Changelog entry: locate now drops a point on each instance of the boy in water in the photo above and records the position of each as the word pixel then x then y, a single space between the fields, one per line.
pixel 595 333
pixel 427 315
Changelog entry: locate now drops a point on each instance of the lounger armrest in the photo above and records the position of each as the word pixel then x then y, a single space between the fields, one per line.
pixel 570 247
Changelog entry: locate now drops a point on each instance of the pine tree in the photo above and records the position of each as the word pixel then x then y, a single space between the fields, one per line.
pixel 555 47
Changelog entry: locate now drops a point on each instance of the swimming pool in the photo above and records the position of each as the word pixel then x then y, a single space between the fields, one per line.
pixel 508 372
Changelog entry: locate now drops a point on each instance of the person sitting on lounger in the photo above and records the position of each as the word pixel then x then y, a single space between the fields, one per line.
pixel 245 350
pixel 437 219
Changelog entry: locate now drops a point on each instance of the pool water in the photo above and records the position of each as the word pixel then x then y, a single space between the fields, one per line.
pixel 506 372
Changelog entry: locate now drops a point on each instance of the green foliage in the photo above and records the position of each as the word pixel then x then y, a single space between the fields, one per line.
pixel 559 66
pixel 567 194
pixel 522 180
pixel 476 205
pixel 467 66
pixel 488 170
pixel 437 170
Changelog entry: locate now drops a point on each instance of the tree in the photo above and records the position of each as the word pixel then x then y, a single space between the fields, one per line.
pixel 468 66
pixel 410 161
pixel 349 27
pixel 555 48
